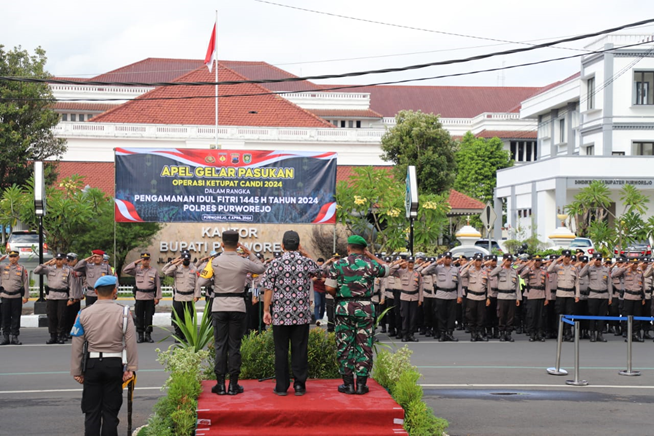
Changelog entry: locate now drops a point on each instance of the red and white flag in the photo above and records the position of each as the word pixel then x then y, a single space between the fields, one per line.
pixel 211 50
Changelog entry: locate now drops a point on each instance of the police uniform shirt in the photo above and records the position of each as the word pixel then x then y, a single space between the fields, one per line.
pixel 447 283
pixel 14 282
pixel 649 281
pixel 376 290
pixel 410 284
pixel 567 279
pixel 492 282
pixel 537 283
pixel 186 280
pixel 634 283
pixel 427 283
pixel 386 290
pixel 584 283
pixel 477 282
pixel 618 283
pixel 76 290
pixel 508 285
pixel 229 271
pixel 91 273
pixel 58 278
pixel 103 329
pixel 600 284
pixel 147 279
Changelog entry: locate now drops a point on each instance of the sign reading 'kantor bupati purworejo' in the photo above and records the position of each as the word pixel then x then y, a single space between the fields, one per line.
pixel 188 185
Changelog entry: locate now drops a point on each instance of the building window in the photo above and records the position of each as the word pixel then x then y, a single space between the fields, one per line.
pixel 64 117
pixel 562 131
pixel 590 93
pixel 523 151
pixel 81 117
pixel 350 124
pixel 618 153
pixel 358 124
pixel 590 150
pixel 73 117
pixel 643 148
pixel 89 116
pixel 644 85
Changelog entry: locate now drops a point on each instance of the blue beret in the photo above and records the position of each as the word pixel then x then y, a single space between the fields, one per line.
pixel 106 281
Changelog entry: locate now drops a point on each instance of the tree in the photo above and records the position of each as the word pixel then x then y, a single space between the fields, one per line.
pixel 26 118
pixel 371 204
pixel 478 160
pixel 419 139
pixel 77 219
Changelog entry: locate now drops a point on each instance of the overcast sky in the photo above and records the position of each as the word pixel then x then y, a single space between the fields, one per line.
pixel 84 39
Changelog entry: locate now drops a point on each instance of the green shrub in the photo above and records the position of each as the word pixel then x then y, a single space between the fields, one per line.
pixel 177 359
pixel 407 390
pixel 419 420
pixel 388 367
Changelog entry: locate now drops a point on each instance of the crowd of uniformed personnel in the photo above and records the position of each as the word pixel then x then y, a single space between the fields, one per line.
pixel 522 294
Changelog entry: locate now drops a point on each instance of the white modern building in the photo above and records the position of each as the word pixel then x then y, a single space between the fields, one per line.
pixel 595 125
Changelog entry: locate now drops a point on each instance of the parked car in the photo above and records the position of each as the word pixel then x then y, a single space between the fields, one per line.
pixel 635 249
pixel 25 242
pixel 583 244
pixel 468 251
pixel 495 246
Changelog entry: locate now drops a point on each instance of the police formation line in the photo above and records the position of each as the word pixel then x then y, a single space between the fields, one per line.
pixel 491 300
pixel 104 335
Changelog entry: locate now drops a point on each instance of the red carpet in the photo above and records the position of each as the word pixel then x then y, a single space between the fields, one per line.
pixel 321 411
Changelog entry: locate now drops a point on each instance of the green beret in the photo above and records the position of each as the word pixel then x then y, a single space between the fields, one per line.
pixel 357 240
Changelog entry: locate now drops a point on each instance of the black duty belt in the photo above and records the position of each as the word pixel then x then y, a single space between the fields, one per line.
pixel 184 293
pixel 410 292
pixel 63 291
pixel 566 289
pixel 476 293
pixel 538 288
pixel 501 291
pixel 585 293
pixel 446 290
pixel 339 299
pixel 147 291
pixel 633 293
pixel 12 292
pixel 494 289
pixel 90 288
pixel 597 291
pixel 224 295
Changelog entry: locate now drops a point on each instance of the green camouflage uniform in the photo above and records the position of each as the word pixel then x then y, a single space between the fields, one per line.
pixel 353 278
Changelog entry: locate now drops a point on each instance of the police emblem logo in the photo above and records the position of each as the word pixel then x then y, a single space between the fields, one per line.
pixel 209 159
pixel 235 158
pixel 247 158
pixel 222 157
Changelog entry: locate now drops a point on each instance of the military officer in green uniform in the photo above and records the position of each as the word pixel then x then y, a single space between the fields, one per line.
pixel 350 281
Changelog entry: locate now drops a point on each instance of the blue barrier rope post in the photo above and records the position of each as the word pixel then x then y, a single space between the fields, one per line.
pixel 576 381
pixel 557 370
pixel 629 372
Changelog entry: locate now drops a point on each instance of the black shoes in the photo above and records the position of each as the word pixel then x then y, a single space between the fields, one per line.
pixel 348 385
pixel 473 337
pixel 450 336
pixel 15 341
pixel 5 341
pixel 52 340
pixel 502 337
pixel 508 337
pixel 600 338
pixel 362 389
pixel 280 393
pixel 148 338
pixel 139 338
pixel 234 387
pixel 300 389
pixel 383 329
pixel 219 388
pixel 593 338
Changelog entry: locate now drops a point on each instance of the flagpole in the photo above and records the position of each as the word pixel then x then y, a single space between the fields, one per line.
pixel 216 51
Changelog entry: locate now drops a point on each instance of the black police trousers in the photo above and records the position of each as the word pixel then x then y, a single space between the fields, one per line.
pixel 598 307
pixel 298 338
pixel 102 396
pixel 476 315
pixel 180 307
pixel 11 310
pixel 228 329
pixel 506 312
pixel 536 313
pixel 56 310
pixel 329 305
pixel 144 311
pixel 409 311
pixel 446 313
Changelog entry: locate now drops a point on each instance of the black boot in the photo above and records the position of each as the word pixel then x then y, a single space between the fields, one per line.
pixel 219 389
pixel 592 337
pixel 518 331
pixel 383 329
pixel 61 340
pixel 392 333
pixel 616 331
pixel 413 339
pixel 496 333
pixel 541 336
pixel 139 339
pixel 532 337
pixel 348 385
pixel 508 337
pixel 647 335
pixel 52 340
pixel 502 336
pixel 405 338
pixel 442 337
pixel 5 341
pixel 362 389
pixel 473 337
pixel 15 341
pixel 638 338
pixel 450 336
pixel 234 387
pixel 148 338
pixel 428 333
pixel 482 337
pixel 600 338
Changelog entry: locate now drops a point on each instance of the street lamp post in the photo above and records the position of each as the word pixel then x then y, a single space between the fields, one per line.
pixel 39 209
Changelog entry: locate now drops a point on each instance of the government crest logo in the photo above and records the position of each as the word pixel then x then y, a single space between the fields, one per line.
pixel 222 157
pixel 209 159
pixel 247 158
pixel 235 158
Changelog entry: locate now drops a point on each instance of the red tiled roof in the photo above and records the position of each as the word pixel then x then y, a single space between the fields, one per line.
pixel 94 107
pixel 344 172
pixel 96 174
pixel 172 105
pixel 458 200
pixel 72 79
pixel 151 70
pixel 509 134
pixel 446 101
pixel 263 70
pixel 345 113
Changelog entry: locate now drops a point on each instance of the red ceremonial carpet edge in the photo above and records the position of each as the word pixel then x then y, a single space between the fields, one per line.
pixel 321 411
